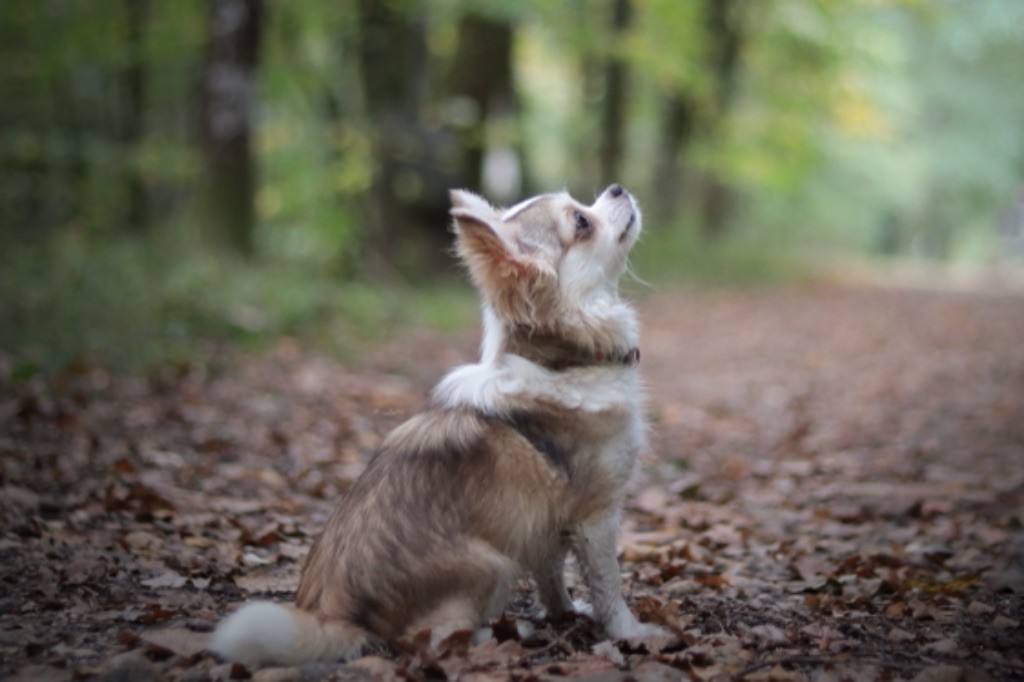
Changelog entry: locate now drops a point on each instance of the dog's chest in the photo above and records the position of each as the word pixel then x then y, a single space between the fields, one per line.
pixel 606 449
pixel 592 453
pixel 586 423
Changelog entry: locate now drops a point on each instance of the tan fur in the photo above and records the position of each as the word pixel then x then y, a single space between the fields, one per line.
pixel 469 494
pixel 440 513
pixel 517 273
pixel 521 289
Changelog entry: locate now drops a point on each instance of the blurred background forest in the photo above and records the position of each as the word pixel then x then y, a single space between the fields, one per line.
pixel 172 171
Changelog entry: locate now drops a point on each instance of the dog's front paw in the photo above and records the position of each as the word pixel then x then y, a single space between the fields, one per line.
pixel 582 608
pixel 648 636
pixel 643 631
pixel 568 614
pixel 627 627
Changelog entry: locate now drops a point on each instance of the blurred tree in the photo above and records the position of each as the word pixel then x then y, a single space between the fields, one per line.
pixel 678 125
pixel 866 125
pixel 406 209
pixel 228 104
pixel 60 123
pixel 965 68
pixel 725 21
pixel 697 96
pixel 393 58
pixel 482 84
pixel 133 79
pixel 563 84
pixel 616 87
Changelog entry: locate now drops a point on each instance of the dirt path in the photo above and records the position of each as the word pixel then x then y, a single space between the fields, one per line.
pixel 835 491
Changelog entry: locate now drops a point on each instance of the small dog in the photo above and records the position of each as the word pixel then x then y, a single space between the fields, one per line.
pixel 515 461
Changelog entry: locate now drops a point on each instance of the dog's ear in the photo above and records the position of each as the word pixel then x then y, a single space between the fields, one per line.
pixel 517 284
pixel 464 200
pixel 478 238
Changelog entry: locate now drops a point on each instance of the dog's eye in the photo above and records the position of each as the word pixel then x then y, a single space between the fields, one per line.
pixel 582 224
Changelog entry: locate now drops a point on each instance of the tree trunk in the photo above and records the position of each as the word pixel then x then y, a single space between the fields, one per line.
pixel 724 27
pixel 677 128
pixel 393 61
pixel 613 115
pixel 133 80
pixel 724 19
pixel 228 94
pixel 482 73
pixel 393 57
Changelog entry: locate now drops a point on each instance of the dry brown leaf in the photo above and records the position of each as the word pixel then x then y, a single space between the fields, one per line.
pixel 808 475
pixel 376 667
pixel 492 653
pixel 167 579
pixel 179 641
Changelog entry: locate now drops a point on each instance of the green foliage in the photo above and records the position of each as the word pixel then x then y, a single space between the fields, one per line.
pixel 681 254
pixel 856 128
pixel 63 151
pixel 127 305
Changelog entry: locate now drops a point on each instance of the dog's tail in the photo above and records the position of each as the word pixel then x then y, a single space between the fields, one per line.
pixel 262 632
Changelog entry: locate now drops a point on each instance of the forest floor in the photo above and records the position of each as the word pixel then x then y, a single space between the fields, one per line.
pixel 835 490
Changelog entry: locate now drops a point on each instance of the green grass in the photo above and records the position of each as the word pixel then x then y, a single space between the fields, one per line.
pixel 129 306
pixel 681 254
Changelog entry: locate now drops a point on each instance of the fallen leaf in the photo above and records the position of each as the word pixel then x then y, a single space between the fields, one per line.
pixel 1004 623
pixel 167 579
pixel 898 636
pixel 374 666
pixel 179 641
pixel 977 608
pixel 944 646
pixel 939 673
pixel 267 583
pixel 277 675
pixel 491 652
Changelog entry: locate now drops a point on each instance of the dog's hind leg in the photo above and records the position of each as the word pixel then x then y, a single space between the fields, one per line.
pixel 550 579
pixel 451 616
pixel 483 585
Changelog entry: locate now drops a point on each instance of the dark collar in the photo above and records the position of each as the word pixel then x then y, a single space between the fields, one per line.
pixel 558 353
pixel 629 358
pixel 584 358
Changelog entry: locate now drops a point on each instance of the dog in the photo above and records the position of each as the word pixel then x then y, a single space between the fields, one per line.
pixel 515 461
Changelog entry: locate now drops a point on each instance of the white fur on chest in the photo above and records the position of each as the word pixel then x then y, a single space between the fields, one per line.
pixel 607 397
pixel 510 382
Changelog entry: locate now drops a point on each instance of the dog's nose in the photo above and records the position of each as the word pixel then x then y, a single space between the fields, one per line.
pixel 616 190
